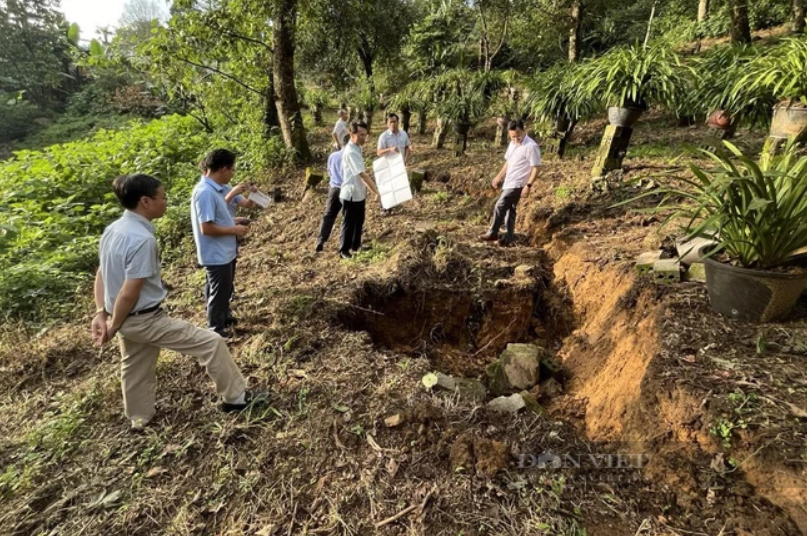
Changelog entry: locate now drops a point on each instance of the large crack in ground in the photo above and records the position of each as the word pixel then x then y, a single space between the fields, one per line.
pixel 460 309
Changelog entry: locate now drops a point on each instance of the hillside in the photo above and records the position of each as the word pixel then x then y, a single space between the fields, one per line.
pixel 343 345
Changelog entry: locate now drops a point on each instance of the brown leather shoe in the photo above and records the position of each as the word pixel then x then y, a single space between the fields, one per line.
pixel 488 237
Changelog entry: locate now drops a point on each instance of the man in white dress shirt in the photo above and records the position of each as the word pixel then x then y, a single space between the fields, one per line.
pixel 353 194
pixel 391 141
pixel 340 130
pixel 518 173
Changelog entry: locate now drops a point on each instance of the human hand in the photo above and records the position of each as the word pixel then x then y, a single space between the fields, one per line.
pixel 239 230
pixel 240 188
pixel 394 149
pixel 242 221
pixel 526 190
pixel 496 182
pixel 99 329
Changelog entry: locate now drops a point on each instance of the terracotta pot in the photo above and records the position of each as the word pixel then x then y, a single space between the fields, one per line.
pixel 720 119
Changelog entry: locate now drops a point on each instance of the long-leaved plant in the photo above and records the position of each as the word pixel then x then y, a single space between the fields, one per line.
pixel 759 208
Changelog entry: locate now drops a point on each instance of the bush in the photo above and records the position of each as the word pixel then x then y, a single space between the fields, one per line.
pixel 58 201
pixel 19 118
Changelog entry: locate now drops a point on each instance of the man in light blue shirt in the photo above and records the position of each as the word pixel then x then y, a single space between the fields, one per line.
pixel 215 232
pixel 355 182
pixel 333 205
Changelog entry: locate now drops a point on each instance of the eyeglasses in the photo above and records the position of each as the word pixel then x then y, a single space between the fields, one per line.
pixel 164 197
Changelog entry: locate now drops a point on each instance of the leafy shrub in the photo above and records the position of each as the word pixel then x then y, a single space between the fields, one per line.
pixel 18 118
pixel 58 201
pixel 759 208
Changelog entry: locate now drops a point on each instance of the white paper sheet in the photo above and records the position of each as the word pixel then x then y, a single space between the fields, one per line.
pixel 260 198
pixel 392 180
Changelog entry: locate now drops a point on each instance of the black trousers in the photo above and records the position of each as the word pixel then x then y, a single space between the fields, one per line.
pixel 332 207
pixel 218 291
pixel 352 225
pixel 505 212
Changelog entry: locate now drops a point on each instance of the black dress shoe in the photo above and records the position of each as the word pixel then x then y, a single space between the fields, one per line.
pixel 345 255
pixel 231 321
pixel 251 399
pixel 319 247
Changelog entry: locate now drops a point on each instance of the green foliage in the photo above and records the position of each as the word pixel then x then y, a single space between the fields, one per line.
pixel 778 73
pixel 758 208
pixel 18 118
pixel 636 76
pixel 34 50
pixel 716 73
pixel 555 93
pixel 58 201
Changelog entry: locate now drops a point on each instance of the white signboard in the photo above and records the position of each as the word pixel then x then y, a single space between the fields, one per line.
pixel 392 180
pixel 260 198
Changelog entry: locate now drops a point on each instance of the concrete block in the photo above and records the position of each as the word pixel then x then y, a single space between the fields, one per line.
pixel 645 261
pixel 689 250
pixel 667 271
pixel 696 272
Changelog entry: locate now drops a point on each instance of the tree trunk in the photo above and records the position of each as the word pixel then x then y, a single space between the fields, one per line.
pixel 740 29
pixel 575 30
pixel 288 107
pixel 440 133
pixel 703 10
pixel 422 121
pixel 797 15
pixel 406 117
pixel 270 119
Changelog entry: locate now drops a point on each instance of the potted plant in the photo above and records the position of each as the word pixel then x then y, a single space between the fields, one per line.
pixel 758 210
pixel 779 76
pixel 631 79
pixel 368 102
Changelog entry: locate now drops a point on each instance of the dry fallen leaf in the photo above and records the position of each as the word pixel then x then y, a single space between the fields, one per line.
pixel 156 471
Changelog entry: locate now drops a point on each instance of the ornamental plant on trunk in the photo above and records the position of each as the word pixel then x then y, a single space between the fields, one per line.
pixel 462 96
pixel 715 75
pixel 635 77
pixel 555 97
pixel 759 209
pixel 779 75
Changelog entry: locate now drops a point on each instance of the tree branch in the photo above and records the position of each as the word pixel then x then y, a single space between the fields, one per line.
pixel 222 73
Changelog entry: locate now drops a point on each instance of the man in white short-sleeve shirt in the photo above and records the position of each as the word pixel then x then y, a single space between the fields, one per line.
pixel 340 131
pixel 394 140
pixel 353 193
pixel 518 173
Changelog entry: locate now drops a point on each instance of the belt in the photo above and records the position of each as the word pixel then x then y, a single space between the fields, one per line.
pixel 146 310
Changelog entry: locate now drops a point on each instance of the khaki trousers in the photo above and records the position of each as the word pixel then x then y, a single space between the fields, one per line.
pixel 142 337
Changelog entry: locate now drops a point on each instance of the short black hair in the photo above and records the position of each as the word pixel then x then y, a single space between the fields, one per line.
pixel 517 124
pixel 130 188
pixel 393 114
pixel 217 159
pixel 356 125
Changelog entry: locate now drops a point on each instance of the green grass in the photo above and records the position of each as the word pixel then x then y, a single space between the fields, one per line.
pixel 375 254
